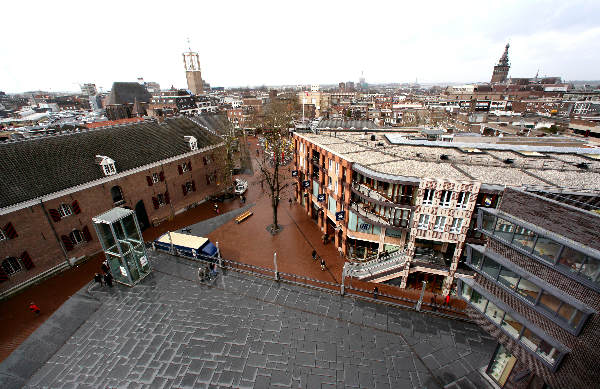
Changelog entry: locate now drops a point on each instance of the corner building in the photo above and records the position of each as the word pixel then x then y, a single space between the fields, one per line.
pixel 52 186
pixel 537 290
pixel 402 210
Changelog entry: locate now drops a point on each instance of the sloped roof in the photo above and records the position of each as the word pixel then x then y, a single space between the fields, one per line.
pixel 127 93
pixel 40 166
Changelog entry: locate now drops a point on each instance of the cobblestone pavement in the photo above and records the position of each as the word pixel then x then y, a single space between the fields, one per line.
pixel 171 331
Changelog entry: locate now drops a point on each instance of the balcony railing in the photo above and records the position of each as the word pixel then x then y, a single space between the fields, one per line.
pixel 371 193
pixel 375 195
pixel 370 216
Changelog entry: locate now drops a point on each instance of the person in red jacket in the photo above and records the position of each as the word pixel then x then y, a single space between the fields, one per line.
pixel 34 308
pixel 447 301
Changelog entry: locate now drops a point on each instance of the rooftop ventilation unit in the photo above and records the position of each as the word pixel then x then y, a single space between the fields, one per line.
pixel 509 161
pixel 444 157
pixel 373 137
pixel 583 165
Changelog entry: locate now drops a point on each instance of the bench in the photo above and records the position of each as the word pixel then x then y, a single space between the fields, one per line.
pixel 243 217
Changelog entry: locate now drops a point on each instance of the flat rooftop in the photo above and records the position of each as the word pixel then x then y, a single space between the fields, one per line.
pixel 243 331
pixel 574 169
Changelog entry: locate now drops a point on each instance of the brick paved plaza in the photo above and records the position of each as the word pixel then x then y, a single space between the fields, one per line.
pixel 171 331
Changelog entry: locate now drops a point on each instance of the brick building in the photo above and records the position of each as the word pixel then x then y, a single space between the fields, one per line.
pixel 52 186
pixel 415 202
pixel 537 290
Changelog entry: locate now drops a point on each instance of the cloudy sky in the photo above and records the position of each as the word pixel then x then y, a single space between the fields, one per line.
pixel 55 45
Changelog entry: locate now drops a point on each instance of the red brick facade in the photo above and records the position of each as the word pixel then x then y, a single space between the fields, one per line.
pixel 34 224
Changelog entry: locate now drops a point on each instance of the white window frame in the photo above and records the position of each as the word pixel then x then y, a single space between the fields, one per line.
pixel 12 267
pixel 337 168
pixel 109 169
pixel 189 187
pixel 464 201
pixel 428 196
pixel 329 183
pixel 446 198
pixel 65 210
pixel 456 226
pixel 2 235
pixel 335 187
pixel 423 222
pixel 76 237
pixel 331 165
pixel 440 223
pixel 155 178
pixel 184 167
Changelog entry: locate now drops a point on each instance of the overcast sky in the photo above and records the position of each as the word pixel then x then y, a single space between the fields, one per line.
pixel 55 45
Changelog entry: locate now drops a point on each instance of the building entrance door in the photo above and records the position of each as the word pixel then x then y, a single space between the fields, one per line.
pixel 142 216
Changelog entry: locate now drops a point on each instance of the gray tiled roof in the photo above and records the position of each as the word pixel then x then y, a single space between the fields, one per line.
pixel 128 92
pixel 40 166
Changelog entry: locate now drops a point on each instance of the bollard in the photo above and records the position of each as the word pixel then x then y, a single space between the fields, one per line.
pixel 275 262
pixel 342 291
pixel 418 307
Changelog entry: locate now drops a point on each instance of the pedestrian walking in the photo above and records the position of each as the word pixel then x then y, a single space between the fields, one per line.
pixel 447 301
pixel 375 292
pixel 98 278
pixel 213 271
pixel 243 199
pixel 34 308
pixel 108 279
pixel 322 264
pixel 290 201
pixel 314 254
pixel 257 152
pixel 105 267
pixel 433 303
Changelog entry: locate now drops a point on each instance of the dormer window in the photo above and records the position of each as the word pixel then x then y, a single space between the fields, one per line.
pixel 192 142
pixel 107 165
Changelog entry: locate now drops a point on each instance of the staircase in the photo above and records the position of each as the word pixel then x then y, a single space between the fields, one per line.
pixel 378 267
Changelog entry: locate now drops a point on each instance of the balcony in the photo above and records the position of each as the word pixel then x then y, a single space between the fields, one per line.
pixel 367 215
pixel 370 193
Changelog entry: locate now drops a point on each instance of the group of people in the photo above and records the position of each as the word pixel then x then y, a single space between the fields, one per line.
pixel 105 277
pixel 208 272
pixel 315 256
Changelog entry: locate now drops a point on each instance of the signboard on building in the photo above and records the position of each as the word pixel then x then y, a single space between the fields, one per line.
pixel 321 197
pixel 340 215
pixel 123 271
pixel 306 184
pixel 364 226
pixel 294 173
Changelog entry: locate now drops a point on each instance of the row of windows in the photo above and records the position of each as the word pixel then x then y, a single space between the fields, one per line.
pixel 440 223
pixel 446 198
pixel 514 328
pixel 563 313
pixel 542 247
pixel 11 265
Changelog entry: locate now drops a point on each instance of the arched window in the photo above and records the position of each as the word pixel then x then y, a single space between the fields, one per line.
pixel 76 237
pixel 11 265
pixel 117 195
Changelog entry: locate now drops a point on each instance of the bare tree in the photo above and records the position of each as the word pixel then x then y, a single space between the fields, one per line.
pixel 275 121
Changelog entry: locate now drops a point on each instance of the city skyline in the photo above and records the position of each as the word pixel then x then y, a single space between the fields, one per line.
pixel 307 43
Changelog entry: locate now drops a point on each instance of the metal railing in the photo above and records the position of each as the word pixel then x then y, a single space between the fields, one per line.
pixel 346 286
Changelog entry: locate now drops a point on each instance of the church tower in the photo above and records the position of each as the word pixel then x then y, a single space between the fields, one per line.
pixel 501 70
pixel 191 61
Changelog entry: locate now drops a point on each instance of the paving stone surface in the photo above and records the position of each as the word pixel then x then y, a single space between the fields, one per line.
pixel 241 331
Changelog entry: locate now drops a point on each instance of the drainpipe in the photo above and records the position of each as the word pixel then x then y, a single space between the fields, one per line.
pixel 55 233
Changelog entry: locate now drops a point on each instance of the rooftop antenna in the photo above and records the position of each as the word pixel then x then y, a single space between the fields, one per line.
pixel 189 46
